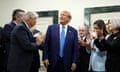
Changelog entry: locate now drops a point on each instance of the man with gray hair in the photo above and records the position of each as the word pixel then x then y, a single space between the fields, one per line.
pixel 83 52
pixel 23 45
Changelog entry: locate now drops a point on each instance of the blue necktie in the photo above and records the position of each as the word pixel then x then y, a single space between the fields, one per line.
pixel 62 41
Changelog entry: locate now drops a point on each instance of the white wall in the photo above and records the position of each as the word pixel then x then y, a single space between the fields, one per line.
pixel 76 7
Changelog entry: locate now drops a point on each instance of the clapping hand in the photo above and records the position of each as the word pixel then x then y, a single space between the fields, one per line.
pixel 39 38
pixel 93 34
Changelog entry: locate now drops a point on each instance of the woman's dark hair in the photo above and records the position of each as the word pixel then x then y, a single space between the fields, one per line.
pixel 101 25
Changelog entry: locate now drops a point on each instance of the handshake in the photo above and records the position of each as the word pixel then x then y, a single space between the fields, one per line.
pixel 39 37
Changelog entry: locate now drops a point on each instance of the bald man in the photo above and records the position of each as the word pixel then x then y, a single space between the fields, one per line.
pixel 83 60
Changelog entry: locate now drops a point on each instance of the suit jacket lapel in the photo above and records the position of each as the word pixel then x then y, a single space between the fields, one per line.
pixel 25 27
pixel 67 35
pixel 58 35
pixel 13 24
pixel 29 32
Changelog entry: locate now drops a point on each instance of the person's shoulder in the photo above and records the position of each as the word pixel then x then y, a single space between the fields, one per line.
pixel 10 24
pixel 53 26
pixel 72 28
pixel 0 28
pixel 20 26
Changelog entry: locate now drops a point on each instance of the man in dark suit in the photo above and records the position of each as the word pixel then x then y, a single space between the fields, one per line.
pixel 16 18
pixel 61 46
pixel 84 52
pixel 23 45
pixel 36 53
pixel 2 50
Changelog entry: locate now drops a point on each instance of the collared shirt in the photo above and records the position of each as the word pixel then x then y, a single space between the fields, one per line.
pixel 66 26
pixel 15 22
pixel 26 25
pixel 84 38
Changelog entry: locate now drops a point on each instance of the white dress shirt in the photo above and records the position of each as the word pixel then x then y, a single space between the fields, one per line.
pixel 66 27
